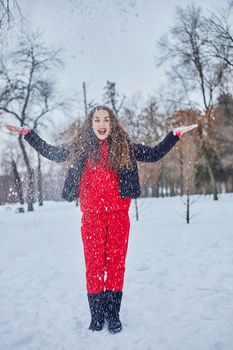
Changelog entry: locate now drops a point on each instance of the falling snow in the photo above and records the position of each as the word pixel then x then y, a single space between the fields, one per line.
pixel 178 282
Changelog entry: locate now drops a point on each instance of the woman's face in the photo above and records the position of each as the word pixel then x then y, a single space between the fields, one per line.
pixel 101 124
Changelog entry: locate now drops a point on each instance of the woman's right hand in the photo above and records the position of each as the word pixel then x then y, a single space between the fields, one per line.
pixel 18 129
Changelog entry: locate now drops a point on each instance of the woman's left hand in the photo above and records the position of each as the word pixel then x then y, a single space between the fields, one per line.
pixel 183 129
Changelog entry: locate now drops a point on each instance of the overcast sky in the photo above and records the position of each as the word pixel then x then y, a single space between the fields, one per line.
pixel 104 39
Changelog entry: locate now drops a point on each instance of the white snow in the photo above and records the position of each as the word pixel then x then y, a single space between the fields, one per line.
pixel 178 292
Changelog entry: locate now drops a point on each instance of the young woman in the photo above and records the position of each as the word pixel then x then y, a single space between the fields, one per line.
pixel 103 174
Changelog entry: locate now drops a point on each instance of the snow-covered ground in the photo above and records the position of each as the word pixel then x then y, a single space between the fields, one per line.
pixel 178 292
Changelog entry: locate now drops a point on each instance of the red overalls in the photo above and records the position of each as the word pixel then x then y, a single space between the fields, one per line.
pixel 105 226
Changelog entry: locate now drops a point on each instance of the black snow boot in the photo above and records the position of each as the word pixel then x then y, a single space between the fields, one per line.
pixel 112 306
pixel 97 311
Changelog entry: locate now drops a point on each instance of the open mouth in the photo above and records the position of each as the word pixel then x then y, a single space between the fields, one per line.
pixel 102 131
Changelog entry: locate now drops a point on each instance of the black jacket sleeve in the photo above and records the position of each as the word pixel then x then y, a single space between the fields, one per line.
pixel 57 154
pixel 152 154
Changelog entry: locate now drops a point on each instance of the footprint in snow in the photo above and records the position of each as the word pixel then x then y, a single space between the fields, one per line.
pixel 143 267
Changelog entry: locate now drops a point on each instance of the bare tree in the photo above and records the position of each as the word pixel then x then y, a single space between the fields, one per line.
pixel 5 13
pixel 219 25
pixel 28 91
pixel 113 98
pixel 12 20
pixel 189 155
pixel 152 127
pixel 87 105
pixel 10 161
pixel 186 48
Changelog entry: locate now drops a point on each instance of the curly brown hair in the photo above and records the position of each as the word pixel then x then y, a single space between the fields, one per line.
pixel 86 144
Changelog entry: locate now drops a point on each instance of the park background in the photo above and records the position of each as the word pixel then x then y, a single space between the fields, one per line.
pixel 158 66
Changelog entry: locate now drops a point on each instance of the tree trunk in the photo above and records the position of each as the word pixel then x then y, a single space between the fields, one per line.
pixel 181 163
pixel 188 209
pixel 172 190
pixel 30 184
pixel 166 186
pixel 162 189
pixel 30 190
pixel 211 174
pixel 18 182
pixel 154 190
pixel 39 181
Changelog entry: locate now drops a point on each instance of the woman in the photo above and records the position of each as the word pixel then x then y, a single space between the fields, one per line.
pixel 103 174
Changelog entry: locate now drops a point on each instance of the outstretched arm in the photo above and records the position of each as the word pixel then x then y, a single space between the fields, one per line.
pixel 153 154
pixel 57 154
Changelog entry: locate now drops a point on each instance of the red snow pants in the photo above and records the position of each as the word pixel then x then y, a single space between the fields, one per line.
pixel 105 240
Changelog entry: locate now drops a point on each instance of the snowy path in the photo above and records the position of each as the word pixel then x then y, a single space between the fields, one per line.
pixel 178 286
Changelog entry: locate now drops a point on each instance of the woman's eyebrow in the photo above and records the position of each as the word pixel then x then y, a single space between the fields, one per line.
pixel 106 117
